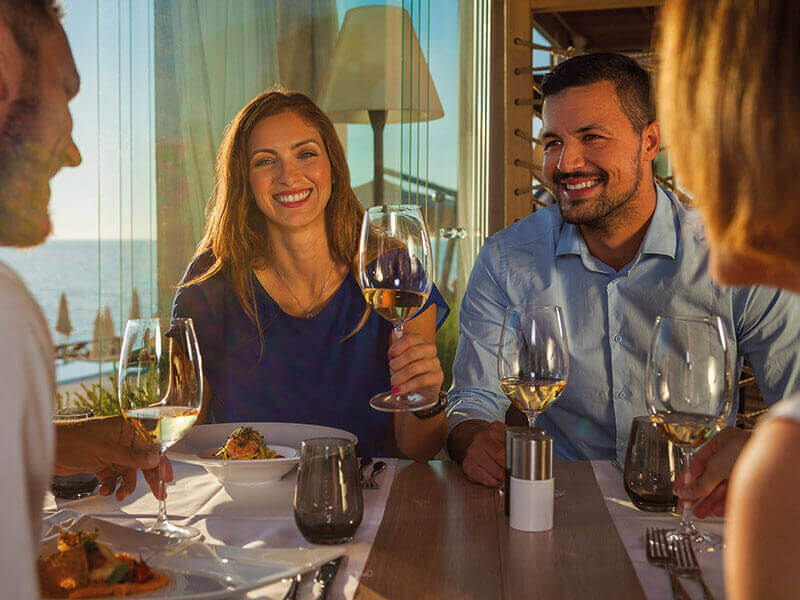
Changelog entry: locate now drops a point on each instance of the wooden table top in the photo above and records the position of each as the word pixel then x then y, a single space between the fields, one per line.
pixel 444 537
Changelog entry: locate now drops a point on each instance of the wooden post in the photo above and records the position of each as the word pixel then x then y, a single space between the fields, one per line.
pixel 518 100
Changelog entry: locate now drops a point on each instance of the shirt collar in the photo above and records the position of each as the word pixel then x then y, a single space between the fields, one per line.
pixel 661 236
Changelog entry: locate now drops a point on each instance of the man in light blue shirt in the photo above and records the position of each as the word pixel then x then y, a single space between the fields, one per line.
pixel 615 252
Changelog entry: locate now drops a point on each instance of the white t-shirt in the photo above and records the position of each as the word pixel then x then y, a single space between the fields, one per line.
pixel 27 395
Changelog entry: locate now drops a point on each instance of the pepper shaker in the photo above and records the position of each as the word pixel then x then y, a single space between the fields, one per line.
pixel 532 486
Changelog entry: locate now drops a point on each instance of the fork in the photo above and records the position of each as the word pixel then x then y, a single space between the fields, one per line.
pixel 657 551
pixel 685 563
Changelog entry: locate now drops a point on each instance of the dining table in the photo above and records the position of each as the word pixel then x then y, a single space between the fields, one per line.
pixel 428 532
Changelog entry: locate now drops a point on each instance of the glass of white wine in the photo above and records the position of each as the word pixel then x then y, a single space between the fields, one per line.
pixel 396 271
pixel 689 394
pixel 533 357
pixel 160 392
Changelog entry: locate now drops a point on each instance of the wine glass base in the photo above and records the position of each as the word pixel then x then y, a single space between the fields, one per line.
pixel 388 402
pixel 173 532
pixel 702 541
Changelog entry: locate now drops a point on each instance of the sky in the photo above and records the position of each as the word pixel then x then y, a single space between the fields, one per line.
pixel 111 194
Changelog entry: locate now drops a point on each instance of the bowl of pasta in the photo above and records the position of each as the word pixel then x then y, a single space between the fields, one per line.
pixel 248 454
pixel 241 456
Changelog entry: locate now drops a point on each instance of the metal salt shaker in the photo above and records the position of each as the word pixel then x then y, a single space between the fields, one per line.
pixel 531 483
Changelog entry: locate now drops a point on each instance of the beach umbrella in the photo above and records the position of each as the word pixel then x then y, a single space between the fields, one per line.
pixel 107 325
pixel 103 330
pixel 135 313
pixel 94 349
pixel 63 324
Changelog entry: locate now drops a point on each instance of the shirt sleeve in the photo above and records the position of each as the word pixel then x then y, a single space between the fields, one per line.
pixel 442 309
pixel 767 332
pixel 27 440
pixel 476 392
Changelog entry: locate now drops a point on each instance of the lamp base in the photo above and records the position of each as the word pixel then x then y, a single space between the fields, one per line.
pixel 378 120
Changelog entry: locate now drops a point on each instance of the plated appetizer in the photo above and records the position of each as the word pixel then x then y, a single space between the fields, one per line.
pixel 245 443
pixel 86 568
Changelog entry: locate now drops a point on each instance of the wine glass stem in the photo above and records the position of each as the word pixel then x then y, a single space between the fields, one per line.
pixel 532 419
pixel 686 526
pixel 162 490
pixel 398 329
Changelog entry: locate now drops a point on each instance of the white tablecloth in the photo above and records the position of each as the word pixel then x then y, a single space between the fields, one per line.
pixel 261 518
pixel 631 525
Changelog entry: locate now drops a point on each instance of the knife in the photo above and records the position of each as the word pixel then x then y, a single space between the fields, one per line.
pixel 324 577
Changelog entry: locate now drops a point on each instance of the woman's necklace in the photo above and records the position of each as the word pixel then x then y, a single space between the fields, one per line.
pixel 308 311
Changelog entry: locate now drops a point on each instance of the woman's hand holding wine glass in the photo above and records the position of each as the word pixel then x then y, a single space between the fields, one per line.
pixel 396 276
pixel 689 393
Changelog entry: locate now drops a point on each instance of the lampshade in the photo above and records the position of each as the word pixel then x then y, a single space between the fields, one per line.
pixel 377 64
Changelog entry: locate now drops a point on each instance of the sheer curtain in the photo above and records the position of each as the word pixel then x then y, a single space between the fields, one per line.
pixel 211 58
pixel 474 39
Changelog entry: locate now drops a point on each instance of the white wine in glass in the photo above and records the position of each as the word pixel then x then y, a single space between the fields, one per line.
pixel 532 395
pixel 160 392
pixel 396 275
pixel 689 394
pixel 533 357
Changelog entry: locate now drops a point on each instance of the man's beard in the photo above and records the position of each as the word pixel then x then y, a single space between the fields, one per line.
pixel 605 209
pixel 24 176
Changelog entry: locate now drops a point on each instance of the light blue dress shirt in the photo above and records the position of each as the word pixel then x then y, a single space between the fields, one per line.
pixel 609 318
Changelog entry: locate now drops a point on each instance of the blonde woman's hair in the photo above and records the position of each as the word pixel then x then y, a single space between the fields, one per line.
pixel 729 101
pixel 236 229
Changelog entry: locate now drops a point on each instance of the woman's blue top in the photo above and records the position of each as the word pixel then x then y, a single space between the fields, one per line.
pixel 300 371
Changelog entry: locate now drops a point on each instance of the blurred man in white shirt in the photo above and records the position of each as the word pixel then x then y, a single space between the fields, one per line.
pixel 38 78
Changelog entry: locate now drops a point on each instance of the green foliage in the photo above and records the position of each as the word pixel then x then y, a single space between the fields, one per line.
pixel 99 398
pixel 447 338
pixel 104 399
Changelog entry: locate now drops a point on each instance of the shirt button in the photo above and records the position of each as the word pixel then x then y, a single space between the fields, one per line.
pixel 621 395
pixel 618 338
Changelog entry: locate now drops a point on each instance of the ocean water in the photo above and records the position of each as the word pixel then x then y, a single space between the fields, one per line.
pixel 93 275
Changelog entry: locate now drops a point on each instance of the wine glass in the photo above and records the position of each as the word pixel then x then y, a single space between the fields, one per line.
pixel 396 268
pixel 533 358
pixel 160 393
pixel 688 392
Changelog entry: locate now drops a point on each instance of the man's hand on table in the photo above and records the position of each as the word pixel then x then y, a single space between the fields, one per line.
pixel 111 449
pixel 481 449
pixel 711 469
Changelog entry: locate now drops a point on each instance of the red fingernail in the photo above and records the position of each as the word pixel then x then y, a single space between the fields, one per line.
pixel 395 389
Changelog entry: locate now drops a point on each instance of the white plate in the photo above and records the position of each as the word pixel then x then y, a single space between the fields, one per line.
pixel 284 438
pixel 196 570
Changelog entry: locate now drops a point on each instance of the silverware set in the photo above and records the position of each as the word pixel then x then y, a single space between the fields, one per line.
pixel 678 557
pixel 369 483
pixel 320 587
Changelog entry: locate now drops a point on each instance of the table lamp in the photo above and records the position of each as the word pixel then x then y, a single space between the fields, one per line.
pixel 377 74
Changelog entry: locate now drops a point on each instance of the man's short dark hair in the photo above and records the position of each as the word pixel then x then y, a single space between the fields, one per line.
pixel 28 20
pixel 630 80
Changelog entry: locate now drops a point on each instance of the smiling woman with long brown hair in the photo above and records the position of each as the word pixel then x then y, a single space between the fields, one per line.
pixel 729 97
pixel 283 327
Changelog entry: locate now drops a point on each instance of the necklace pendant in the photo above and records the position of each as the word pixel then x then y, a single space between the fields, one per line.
pixel 309 315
